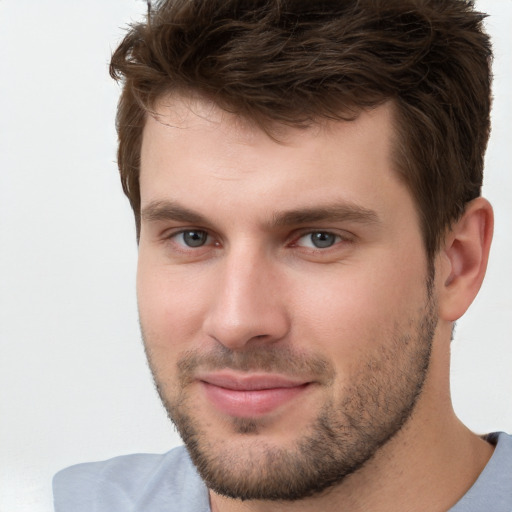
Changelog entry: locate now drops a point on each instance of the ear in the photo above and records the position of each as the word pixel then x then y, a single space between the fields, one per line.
pixel 463 259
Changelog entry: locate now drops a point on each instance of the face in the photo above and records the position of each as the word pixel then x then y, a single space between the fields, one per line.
pixel 284 297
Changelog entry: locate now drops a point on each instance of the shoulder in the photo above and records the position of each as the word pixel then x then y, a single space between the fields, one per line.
pixel 501 460
pixel 146 482
pixel 493 488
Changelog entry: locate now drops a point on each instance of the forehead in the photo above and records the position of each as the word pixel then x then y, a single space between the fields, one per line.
pixel 180 118
pixel 193 151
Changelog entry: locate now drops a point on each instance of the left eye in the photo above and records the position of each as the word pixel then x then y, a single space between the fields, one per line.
pixel 318 240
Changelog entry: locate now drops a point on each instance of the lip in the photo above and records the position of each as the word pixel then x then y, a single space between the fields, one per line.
pixel 250 395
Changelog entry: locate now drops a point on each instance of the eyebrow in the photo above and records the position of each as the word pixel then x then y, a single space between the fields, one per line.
pixel 170 210
pixel 338 212
pixel 342 212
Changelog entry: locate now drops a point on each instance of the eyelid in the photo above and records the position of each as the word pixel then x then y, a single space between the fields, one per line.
pixel 172 232
pixel 344 235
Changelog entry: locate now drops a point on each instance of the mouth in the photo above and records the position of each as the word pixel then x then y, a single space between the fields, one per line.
pixel 250 395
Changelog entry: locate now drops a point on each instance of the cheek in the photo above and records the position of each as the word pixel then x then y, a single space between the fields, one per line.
pixel 170 306
pixel 354 311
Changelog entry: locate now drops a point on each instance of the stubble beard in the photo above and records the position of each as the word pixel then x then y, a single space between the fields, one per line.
pixel 343 437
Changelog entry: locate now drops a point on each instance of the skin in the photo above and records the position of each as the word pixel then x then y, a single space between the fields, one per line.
pixel 344 320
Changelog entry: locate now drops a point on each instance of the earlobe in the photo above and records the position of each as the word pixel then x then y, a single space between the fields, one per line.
pixel 464 259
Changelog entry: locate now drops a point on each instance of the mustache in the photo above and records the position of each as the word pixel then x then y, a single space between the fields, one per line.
pixel 267 359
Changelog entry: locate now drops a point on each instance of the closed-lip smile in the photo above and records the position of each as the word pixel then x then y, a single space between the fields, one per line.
pixel 250 395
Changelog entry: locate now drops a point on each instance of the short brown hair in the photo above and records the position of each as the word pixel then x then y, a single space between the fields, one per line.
pixel 298 61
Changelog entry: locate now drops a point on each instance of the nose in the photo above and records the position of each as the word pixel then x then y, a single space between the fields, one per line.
pixel 248 305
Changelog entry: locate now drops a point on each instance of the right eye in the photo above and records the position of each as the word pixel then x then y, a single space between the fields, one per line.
pixel 192 238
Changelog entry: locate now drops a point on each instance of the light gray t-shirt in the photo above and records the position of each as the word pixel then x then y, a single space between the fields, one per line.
pixel 170 483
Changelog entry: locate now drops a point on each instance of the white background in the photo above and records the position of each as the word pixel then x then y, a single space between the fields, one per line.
pixel 74 385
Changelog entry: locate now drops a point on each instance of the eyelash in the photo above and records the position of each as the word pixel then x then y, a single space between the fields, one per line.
pixel 175 235
pixel 338 238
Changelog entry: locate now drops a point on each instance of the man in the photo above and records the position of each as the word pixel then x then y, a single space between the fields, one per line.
pixel 305 178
